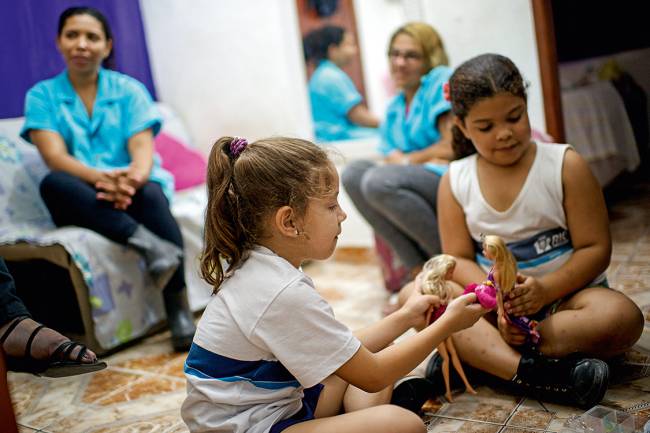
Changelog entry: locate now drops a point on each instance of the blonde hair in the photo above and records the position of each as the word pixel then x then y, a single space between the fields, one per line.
pixel 429 40
pixel 244 188
pixel 432 278
pixel 504 261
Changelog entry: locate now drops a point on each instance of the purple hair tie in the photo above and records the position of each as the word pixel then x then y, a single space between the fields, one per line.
pixel 237 146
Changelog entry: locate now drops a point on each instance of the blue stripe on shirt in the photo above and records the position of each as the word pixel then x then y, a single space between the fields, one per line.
pixel 536 250
pixel 263 374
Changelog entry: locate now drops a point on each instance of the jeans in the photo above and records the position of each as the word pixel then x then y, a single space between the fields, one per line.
pixel 399 202
pixel 10 305
pixel 71 201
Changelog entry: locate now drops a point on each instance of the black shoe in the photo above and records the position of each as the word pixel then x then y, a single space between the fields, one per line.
pixel 179 320
pixel 433 373
pixel 412 393
pixel 573 380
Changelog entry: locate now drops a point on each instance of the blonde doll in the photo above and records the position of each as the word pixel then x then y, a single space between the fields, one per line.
pixel 434 280
pixel 503 276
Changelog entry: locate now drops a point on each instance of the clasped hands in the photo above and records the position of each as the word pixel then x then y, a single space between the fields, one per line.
pixel 119 186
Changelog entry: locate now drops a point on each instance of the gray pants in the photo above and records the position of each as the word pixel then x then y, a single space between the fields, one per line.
pixel 399 202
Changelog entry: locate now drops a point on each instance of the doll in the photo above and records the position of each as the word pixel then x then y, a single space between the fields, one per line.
pixel 502 277
pixel 433 280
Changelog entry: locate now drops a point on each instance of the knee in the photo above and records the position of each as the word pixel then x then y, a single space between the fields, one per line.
pixel 399 419
pixel 375 186
pixel 619 325
pixel 628 323
pixel 353 173
pixel 54 183
pixel 152 196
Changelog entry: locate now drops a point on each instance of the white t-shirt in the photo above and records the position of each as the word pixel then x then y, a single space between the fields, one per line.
pixel 262 339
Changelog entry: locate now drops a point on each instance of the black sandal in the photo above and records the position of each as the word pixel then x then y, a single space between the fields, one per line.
pixel 58 364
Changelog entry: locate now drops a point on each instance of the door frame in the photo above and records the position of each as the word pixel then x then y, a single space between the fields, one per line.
pixel 548 66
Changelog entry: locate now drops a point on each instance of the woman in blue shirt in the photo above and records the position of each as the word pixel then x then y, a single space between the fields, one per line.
pixel 336 104
pixel 398 198
pixel 94 128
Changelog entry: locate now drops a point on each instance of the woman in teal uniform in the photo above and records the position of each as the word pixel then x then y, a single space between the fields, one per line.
pixel 398 198
pixel 336 103
pixel 94 128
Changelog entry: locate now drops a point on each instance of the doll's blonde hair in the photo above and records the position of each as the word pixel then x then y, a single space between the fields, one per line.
pixel 432 277
pixel 504 261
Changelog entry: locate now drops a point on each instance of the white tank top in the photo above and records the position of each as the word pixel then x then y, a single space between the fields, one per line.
pixel 534 227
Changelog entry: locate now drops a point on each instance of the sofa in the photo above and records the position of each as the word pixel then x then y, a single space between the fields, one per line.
pixel 114 297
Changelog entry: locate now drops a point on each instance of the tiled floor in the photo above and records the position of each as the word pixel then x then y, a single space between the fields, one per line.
pixel 143 387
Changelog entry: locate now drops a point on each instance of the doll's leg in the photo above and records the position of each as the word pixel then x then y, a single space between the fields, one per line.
pixel 597 321
pixel 442 349
pixel 449 342
pixel 482 347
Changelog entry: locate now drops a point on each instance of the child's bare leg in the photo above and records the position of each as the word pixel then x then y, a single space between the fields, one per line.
pixel 449 342
pixel 330 401
pixel 442 350
pixel 357 399
pixel 596 321
pixel 378 419
pixel 482 347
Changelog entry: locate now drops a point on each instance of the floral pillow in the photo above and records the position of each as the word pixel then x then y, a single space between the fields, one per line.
pixel 22 170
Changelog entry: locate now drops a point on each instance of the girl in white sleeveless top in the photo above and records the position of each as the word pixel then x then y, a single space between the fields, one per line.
pixel 545 203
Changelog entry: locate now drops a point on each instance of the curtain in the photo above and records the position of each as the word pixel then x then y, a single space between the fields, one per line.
pixel 28 54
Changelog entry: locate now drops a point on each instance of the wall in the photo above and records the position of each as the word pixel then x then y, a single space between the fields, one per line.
pixel 236 67
pixel 229 67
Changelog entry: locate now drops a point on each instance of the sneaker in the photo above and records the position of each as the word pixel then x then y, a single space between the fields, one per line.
pixel 411 393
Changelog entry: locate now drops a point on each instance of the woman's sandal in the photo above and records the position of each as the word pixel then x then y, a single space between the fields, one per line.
pixel 58 364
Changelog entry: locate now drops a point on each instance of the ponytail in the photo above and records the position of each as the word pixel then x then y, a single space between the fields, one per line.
pixel 461 145
pixel 224 236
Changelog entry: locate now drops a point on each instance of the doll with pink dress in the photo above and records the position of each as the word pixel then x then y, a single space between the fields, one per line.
pixel 434 279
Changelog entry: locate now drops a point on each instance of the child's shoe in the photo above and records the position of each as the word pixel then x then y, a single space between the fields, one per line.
pixel 572 380
pixel 411 393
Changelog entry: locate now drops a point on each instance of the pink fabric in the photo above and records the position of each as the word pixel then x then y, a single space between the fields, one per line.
pixel 485 294
pixel 187 165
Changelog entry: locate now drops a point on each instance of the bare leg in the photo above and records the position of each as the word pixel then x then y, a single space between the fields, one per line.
pixel 383 418
pixel 596 321
pixel 482 347
pixel 442 350
pixel 378 419
pixel 449 342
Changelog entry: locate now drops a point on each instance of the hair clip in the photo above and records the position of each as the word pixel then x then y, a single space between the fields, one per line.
pixel 446 92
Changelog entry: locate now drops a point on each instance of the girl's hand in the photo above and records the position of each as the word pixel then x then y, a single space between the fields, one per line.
pixel 416 307
pixel 463 312
pixel 509 332
pixel 526 298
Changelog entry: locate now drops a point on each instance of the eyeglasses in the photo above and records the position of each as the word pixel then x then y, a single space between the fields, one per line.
pixel 408 56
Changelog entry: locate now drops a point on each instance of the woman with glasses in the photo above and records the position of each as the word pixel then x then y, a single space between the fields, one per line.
pixel 398 198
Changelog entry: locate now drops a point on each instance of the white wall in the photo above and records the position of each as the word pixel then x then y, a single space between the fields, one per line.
pixel 229 67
